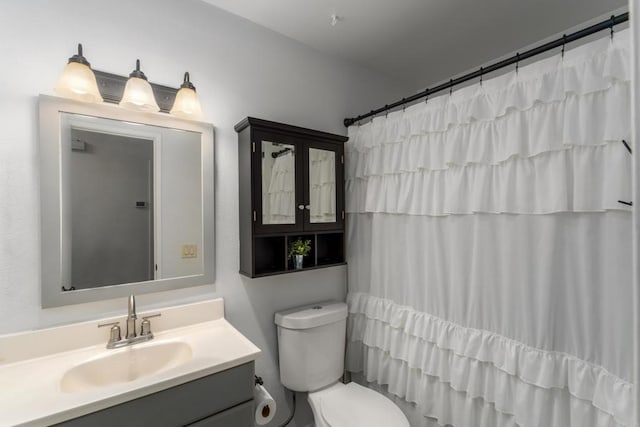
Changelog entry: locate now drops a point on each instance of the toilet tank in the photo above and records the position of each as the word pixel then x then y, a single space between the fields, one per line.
pixel 311 342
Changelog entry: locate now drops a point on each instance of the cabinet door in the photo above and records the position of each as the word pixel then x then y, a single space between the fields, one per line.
pixel 278 183
pixel 239 416
pixel 324 186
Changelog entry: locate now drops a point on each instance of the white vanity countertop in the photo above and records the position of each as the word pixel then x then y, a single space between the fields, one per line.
pixel 32 364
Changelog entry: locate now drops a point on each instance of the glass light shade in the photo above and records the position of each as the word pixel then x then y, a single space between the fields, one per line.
pixel 138 95
pixel 78 82
pixel 187 104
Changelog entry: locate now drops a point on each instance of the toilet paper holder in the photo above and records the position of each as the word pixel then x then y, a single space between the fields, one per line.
pixel 265 404
pixel 258 381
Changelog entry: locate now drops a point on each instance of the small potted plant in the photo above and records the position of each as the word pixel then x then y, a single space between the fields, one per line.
pixel 298 249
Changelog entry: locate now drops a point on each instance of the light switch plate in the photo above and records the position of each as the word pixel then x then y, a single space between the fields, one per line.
pixel 190 251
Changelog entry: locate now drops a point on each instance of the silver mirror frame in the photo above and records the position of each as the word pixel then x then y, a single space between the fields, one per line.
pixel 50 129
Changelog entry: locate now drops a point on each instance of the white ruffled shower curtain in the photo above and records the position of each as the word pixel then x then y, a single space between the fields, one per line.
pixel 489 257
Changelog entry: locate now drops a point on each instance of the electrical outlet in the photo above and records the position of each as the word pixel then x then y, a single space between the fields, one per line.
pixel 189 251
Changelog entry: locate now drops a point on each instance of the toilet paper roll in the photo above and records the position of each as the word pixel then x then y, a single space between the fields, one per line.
pixel 265 405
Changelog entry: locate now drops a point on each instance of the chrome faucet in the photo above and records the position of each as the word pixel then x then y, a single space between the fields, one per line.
pixel 131 318
pixel 115 339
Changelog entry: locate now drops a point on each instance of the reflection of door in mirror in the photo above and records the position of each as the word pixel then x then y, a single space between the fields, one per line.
pixel 278 183
pixel 322 185
pixel 111 209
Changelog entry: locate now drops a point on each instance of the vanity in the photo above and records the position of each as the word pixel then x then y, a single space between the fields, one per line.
pixel 219 400
pixel 127 207
pixel 197 370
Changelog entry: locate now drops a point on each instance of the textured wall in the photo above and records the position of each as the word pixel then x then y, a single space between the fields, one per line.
pixel 238 68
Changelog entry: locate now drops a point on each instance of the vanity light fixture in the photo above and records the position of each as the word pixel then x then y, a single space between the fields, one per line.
pixel 138 94
pixel 78 80
pixel 187 104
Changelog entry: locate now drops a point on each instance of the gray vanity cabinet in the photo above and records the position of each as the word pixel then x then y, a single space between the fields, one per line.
pixel 224 399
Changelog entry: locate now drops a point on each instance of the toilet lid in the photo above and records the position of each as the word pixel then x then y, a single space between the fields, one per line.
pixel 353 405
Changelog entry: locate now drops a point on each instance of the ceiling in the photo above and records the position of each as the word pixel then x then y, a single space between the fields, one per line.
pixel 419 42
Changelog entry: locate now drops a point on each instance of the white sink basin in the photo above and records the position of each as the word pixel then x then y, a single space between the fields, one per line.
pixel 124 365
pixel 49 376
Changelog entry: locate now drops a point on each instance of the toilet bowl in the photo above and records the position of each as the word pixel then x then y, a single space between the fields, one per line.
pixel 311 344
pixel 352 405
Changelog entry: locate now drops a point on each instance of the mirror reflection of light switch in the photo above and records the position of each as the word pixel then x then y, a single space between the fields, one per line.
pixel 189 251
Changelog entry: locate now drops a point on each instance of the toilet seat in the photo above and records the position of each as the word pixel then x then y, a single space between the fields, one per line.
pixel 352 405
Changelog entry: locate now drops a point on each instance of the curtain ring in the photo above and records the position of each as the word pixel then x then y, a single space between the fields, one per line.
pixel 481 74
pixel 404 106
pixel 613 22
pixel 426 99
pixel 450 87
pixel 386 107
pixel 564 43
pixel 517 61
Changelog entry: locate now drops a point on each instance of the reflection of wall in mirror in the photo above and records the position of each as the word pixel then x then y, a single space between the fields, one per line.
pixel 181 196
pixel 322 183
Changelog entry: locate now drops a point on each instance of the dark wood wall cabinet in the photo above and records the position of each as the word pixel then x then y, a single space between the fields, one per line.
pixel 291 187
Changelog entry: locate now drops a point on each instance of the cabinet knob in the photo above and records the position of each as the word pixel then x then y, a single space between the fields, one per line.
pixel 301 207
pixel 308 207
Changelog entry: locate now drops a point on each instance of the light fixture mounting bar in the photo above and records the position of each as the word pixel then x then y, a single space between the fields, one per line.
pixel 111 87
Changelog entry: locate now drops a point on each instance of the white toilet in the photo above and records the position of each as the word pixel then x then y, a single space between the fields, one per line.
pixel 311 342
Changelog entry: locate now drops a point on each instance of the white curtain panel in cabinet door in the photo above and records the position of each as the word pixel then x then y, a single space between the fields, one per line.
pixel 322 185
pixel 282 191
pixel 489 257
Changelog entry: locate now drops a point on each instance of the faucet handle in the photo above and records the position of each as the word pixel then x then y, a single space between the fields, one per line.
pixel 145 326
pixel 149 316
pixel 114 332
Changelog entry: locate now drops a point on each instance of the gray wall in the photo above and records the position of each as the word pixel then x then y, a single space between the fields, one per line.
pixel 239 69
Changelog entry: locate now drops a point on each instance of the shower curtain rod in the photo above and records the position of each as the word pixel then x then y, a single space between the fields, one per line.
pixel 562 41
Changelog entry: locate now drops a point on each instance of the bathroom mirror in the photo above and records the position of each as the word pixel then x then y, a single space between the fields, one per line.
pixel 126 199
pixel 322 185
pixel 278 183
